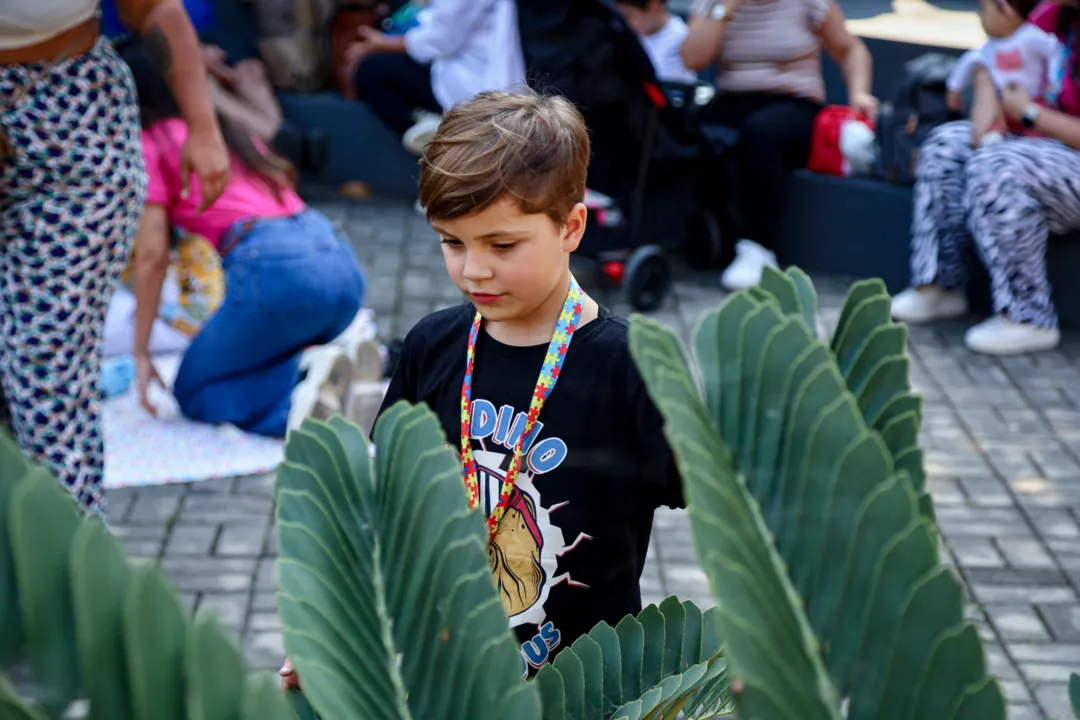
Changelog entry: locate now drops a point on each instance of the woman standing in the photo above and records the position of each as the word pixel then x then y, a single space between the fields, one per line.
pixel 72 186
pixel 1007 197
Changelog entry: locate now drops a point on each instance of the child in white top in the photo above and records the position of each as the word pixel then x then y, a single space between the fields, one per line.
pixel 1016 53
pixel 661 34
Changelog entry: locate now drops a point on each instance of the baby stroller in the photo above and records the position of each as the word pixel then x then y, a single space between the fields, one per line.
pixel 643 194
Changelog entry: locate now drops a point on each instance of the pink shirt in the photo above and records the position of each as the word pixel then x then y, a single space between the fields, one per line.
pixel 246 195
pixel 1045 17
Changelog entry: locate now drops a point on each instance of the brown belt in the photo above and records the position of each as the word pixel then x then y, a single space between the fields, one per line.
pixel 235 234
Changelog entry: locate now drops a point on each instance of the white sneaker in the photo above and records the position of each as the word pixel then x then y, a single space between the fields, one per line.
pixel 326 389
pixel 362 347
pixel 1002 336
pixel 420 134
pixel 745 270
pixel 928 303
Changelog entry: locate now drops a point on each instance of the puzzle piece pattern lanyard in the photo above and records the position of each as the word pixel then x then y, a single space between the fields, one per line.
pixel 549 375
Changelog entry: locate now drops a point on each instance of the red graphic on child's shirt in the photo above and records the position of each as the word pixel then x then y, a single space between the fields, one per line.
pixel 1009 60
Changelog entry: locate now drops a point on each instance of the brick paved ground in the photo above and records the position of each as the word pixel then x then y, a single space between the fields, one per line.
pixel 1002 440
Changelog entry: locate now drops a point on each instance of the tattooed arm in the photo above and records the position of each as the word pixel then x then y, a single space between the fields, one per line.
pixel 171 40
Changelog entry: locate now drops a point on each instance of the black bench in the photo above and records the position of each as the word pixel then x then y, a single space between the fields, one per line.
pixel 860 227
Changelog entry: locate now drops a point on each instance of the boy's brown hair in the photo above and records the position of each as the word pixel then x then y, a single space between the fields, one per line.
pixel 530 147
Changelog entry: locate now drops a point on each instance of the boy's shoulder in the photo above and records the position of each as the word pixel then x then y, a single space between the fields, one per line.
pixel 441 327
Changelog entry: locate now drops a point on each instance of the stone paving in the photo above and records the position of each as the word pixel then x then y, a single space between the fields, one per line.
pixel 1002 441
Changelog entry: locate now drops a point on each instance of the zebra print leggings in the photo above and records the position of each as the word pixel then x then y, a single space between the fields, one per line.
pixel 1007 197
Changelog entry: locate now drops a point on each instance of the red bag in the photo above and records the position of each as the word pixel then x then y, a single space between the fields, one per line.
pixel 826 155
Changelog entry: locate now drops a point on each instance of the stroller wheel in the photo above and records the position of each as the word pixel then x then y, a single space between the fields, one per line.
pixel 647 278
pixel 705 241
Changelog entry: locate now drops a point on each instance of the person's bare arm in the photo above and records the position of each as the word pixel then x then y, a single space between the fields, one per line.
pixel 151 266
pixel 1060 126
pixel 1065 128
pixel 854 59
pixel 985 106
pixel 170 38
pixel 705 39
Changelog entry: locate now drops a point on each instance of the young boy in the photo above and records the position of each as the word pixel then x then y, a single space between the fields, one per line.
pixel 502 183
pixel 662 36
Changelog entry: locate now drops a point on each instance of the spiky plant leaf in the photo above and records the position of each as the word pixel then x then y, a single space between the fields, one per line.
pixel 870 352
pixel 826 571
pixel 386 597
pixel 100 577
pixel 13 707
pixel 667 656
pixel 13 468
pixel 43 522
pixel 89 615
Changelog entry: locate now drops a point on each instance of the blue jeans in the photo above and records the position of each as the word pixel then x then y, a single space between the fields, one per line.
pixel 289 284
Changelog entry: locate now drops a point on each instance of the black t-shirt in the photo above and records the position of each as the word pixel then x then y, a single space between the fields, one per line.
pixel 571 547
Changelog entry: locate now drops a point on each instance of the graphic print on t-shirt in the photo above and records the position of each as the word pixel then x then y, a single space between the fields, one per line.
pixel 525 552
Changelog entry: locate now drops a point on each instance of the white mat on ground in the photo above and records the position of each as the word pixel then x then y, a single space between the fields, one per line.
pixel 142 450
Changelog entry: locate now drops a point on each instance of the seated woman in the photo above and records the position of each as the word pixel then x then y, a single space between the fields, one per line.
pixel 457 49
pixel 1007 196
pixel 768 55
pixel 290 280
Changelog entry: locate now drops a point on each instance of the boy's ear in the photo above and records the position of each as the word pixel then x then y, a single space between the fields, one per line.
pixel 574 227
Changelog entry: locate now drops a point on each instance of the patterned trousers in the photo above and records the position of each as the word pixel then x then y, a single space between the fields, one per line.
pixel 1008 198
pixel 70 202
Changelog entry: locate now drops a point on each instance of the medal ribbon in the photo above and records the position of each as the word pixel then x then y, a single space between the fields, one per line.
pixel 549 375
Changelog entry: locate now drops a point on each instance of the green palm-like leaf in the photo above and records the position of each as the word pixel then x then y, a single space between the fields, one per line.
pixel 825 569
pixel 665 659
pixel 870 352
pixel 386 597
pixel 88 614
pixel 13 469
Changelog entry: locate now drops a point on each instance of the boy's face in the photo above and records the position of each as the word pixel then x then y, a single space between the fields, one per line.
pixel 647 20
pixel 506 262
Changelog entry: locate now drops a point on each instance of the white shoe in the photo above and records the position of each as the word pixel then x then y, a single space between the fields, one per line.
pixel 419 135
pixel 326 389
pixel 928 303
pixel 360 344
pixel 745 270
pixel 1001 336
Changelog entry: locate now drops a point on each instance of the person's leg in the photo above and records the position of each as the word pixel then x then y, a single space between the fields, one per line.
pixel 395 86
pixel 66 226
pixel 774 140
pixel 938 232
pixel 290 284
pixel 1018 192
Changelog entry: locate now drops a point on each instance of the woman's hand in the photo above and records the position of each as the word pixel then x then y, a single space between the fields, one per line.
pixel 865 104
pixel 145 374
pixel 289 679
pixel 1015 101
pixel 204 154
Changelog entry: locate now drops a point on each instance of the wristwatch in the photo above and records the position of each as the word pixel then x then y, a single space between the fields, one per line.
pixel 712 10
pixel 1030 116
